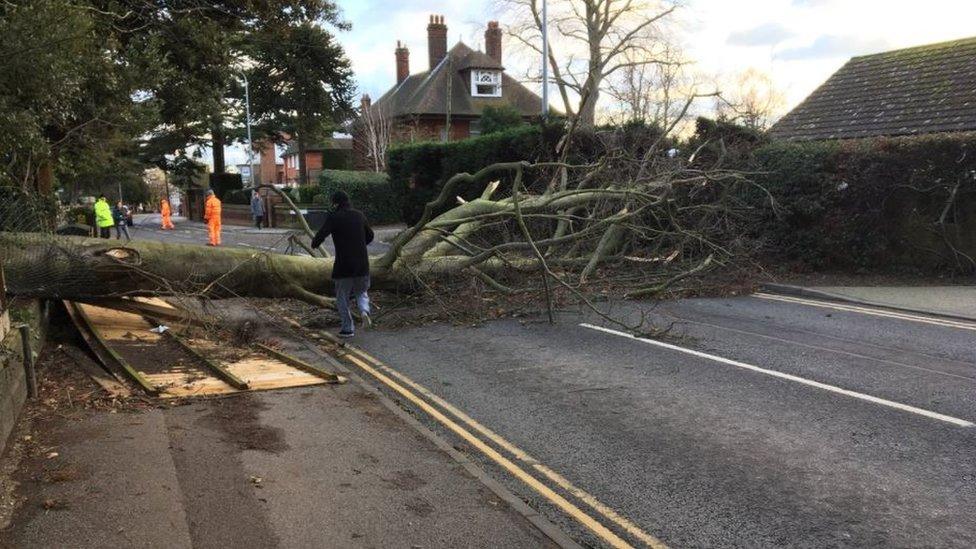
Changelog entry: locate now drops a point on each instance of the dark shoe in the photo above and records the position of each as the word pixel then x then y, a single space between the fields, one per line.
pixel 345 334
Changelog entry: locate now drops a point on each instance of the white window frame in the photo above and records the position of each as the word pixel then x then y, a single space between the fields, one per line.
pixel 476 75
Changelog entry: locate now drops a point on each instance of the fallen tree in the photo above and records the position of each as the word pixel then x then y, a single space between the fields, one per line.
pixel 631 225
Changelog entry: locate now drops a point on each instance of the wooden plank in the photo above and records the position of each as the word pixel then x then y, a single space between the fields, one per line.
pixel 149 308
pixel 221 372
pixel 290 360
pixel 101 348
pixel 100 376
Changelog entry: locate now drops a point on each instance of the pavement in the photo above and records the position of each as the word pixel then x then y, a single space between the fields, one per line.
pixel 147 226
pixel 324 466
pixel 758 422
pixel 951 301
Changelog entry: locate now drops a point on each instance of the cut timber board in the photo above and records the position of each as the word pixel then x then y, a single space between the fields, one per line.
pixel 174 371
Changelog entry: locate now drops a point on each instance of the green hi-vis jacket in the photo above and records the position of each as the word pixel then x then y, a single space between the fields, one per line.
pixel 103 214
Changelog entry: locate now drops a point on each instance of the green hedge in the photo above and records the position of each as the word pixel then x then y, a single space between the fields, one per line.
pixel 419 170
pixel 370 193
pixel 237 196
pixel 871 203
pixel 222 183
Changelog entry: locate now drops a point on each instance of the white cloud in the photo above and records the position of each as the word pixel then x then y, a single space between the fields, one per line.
pixel 767 34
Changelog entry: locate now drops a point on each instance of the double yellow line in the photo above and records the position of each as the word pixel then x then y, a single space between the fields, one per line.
pixel 402 385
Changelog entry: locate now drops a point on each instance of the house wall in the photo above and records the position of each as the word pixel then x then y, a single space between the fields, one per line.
pixel 428 128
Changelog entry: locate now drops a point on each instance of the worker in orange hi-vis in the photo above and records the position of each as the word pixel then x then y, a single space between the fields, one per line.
pixel 166 211
pixel 211 214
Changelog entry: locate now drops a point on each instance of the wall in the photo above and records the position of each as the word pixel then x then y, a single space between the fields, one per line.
pixel 13 382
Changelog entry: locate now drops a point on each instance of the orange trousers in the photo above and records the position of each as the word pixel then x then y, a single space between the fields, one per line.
pixel 167 223
pixel 213 230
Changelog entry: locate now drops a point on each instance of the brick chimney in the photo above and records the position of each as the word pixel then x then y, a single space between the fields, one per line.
pixel 402 62
pixel 436 40
pixel 493 41
pixel 365 102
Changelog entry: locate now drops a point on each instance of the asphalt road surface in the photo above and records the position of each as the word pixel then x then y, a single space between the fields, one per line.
pixel 147 227
pixel 762 421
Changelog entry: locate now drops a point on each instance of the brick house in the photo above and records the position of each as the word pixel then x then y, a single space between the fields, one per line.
pixel 331 154
pixel 912 91
pixel 446 100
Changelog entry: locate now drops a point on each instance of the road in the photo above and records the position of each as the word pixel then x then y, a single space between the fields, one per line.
pixel 147 226
pixel 760 422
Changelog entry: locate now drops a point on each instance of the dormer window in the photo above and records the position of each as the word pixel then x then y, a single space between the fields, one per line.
pixel 486 83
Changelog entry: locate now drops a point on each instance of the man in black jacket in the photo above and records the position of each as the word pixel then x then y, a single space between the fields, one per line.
pixel 350 274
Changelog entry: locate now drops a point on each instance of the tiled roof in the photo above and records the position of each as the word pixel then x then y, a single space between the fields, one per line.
pixel 926 89
pixel 333 143
pixel 426 92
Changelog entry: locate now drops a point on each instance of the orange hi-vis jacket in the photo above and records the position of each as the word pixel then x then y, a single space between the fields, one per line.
pixel 166 211
pixel 211 210
pixel 211 214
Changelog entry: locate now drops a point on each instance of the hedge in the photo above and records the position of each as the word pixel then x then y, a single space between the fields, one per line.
pixel 873 203
pixel 419 170
pixel 221 183
pixel 370 193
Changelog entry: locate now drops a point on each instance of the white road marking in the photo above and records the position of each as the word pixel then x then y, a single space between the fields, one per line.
pixel 791 377
pixel 831 349
pixel 962 325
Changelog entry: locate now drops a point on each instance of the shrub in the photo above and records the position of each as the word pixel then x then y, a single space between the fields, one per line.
pixel 237 196
pixel 221 183
pixel 872 203
pixel 419 170
pixel 501 118
pixel 305 194
pixel 370 193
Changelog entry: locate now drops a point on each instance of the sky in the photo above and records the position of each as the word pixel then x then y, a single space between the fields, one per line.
pixel 799 43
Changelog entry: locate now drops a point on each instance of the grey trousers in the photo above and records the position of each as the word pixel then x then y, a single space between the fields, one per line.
pixel 346 288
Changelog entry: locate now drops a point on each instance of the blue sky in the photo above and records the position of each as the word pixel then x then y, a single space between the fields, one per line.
pixel 799 43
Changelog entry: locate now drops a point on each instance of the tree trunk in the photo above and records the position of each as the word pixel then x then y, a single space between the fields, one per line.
pixel 302 164
pixel 219 140
pixel 63 267
pixel 45 177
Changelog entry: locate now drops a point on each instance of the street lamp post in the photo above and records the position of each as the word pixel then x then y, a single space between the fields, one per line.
pixel 250 144
pixel 545 61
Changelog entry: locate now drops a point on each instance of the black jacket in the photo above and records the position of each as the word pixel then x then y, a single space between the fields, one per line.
pixel 351 233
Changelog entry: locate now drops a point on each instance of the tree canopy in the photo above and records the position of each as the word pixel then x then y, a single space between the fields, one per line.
pixel 99 89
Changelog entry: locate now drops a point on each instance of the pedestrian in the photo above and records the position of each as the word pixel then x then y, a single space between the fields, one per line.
pixel 167 212
pixel 103 217
pixel 350 273
pixel 211 214
pixel 118 216
pixel 257 209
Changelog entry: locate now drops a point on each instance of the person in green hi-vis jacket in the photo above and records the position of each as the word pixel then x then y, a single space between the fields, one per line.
pixel 103 217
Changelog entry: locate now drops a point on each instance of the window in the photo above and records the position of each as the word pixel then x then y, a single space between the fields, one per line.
pixel 486 83
pixel 474 129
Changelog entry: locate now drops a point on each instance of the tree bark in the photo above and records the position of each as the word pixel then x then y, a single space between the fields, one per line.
pixel 219 140
pixel 302 164
pixel 49 266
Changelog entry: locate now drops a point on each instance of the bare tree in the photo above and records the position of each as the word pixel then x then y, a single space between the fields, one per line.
pixel 750 98
pixel 377 133
pixel 590 40
pixel 654 93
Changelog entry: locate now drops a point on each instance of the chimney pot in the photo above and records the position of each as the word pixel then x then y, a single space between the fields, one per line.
pixel 493 41
pixel 436 40
pixel 402 62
